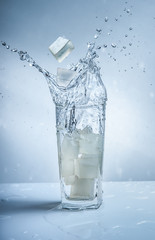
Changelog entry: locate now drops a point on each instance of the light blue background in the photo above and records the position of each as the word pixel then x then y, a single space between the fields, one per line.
pixel 28 151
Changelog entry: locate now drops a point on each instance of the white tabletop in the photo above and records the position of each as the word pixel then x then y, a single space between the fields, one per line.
pixel 31 211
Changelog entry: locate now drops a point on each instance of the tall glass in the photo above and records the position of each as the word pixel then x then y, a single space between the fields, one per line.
pixel 80 140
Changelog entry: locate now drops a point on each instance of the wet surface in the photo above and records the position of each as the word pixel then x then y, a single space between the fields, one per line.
pixel 32 211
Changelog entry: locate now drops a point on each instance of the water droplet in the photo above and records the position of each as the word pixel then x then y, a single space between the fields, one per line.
pixel 3 217
pixel 98 30
pixel 35 235
pixel 130 44
pixel 126 35
pixel 106 19
pixel 116 19
pixel 98 47
pixel 22 55
pixel 113 45
pixel 130 28
pixel 14 50
pixel 96 36
pixel 117 226
pixel 114 59
pixel 128 10
pixel 7 46
pixel 142 222
pixel 124 47
pixel 3 43
pixel 105 45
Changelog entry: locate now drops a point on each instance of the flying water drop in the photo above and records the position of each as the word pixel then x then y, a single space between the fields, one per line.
pixel 14 50
pixel 99 30
pixel 106 19
pixel 113 45
pixel 96 36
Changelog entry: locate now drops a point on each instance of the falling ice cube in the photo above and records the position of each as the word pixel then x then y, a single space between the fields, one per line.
pixel 82 189
pixel 61 48
pixel 64 76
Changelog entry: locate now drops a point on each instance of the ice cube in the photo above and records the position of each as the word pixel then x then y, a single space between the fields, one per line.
pixel 67 168
pixel 64 76
pixel 87 166
pixel 69 148
pixel 61 48
pixel 82 189
pixel 90 143
pixel 70 180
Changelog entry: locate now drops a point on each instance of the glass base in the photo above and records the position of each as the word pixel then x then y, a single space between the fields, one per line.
pixel 81 204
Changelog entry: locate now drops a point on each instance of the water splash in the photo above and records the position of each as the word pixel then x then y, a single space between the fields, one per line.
pixel 75 91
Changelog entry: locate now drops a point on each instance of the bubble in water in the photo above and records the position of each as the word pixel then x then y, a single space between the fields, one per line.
pixel 130 28
pixel 7 46
pixel 126 35
pixel 113 45
pixel 96 36
pixel 105 45
pixel 114 59
pixel 106 19
pixel 130 44
pixel 98 47
pixel 116 19
pixel 128 10
pixel 124 47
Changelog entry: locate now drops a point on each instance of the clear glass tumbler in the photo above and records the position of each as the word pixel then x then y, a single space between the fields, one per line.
pixel 80 140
